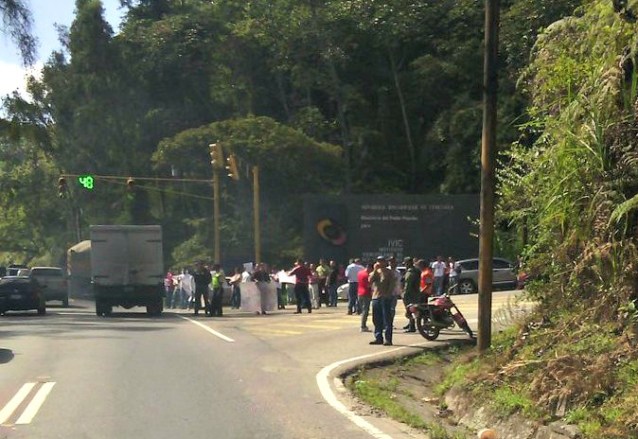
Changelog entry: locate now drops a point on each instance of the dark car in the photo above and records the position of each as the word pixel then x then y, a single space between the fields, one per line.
pixel 20 293
pixel 503 275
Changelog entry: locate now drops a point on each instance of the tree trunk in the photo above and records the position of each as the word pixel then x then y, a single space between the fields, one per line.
pixel 406 122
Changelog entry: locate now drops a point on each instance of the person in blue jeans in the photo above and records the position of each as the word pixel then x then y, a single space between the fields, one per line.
pixel 352 271
pixel 331 284
pixel 383 280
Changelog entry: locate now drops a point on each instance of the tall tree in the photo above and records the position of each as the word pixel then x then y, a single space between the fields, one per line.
pixel 17 22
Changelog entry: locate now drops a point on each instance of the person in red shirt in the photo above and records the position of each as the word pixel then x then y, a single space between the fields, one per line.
pixel 364 293
pixel 427 278
pixel 302 277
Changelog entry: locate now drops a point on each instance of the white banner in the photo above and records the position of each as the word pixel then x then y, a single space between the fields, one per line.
pixel 258 296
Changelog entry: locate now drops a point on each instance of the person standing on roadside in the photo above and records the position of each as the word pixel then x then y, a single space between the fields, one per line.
pixel 202 279
pixel 169 288
pixel 235 297
pixel 261 275
pixel 322 271
pixel 188 288
pixel 364 293
pixel 439 273
pixel 411 291
pixel 332 284
pixel 352 272
pixel 454 275
pixel 302 277
pixel 383 281
pixel 217 287
pixel 427 279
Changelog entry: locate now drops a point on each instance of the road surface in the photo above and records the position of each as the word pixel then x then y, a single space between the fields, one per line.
pixel 73 375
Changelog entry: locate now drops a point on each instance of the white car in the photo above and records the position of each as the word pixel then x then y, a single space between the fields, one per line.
pixel 342 290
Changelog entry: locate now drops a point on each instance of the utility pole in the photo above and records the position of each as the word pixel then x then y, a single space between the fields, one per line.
pixel 488 154
pixel 217 162
pixel 256 214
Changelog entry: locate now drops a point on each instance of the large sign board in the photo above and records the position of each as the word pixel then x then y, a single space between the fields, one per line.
pixel 423 226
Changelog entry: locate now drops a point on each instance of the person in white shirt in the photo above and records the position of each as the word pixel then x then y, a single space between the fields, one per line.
pixel 246 276
pixel 438 267
pixel 352 270
pixel 187 287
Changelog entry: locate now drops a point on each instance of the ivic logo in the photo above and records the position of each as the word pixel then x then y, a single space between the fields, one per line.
pixel 331 231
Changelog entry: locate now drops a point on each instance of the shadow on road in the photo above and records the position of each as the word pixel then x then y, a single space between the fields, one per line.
pixel 6 355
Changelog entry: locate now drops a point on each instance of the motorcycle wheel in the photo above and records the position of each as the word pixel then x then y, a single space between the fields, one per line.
pixel 429 332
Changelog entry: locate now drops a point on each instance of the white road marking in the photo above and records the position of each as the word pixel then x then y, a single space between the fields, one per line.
pixel 15 402
pixel 326 391
pixel 211 330
pixel 35 404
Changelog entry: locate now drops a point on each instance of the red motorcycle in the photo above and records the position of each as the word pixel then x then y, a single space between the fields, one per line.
pixel 439 313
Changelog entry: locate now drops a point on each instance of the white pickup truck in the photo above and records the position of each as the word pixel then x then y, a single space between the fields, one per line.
pixel 53 281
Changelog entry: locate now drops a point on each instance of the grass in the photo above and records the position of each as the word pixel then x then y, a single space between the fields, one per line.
pixel 385 395
pixel 591 367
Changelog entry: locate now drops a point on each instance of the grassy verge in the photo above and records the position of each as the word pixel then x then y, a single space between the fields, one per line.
pixel 386 392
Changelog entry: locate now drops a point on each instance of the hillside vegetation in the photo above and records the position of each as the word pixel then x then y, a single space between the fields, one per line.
pixel 574 192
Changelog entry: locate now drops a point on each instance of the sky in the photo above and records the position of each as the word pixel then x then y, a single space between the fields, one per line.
pixel 46 13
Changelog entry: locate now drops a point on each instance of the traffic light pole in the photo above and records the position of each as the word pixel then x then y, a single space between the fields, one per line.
pixel 216 219
pixel 256 214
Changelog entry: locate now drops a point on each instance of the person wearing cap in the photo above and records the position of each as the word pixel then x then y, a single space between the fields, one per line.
pixel 352 270
pixel 383 281
pixel 411 291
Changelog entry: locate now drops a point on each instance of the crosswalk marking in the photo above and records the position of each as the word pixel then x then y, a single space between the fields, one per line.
pixel 13 404
pixel 32 407
pixel 35 404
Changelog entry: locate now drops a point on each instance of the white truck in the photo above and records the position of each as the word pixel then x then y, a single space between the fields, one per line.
pixel 127 268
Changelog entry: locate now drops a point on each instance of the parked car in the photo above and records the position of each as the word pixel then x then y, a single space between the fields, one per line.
pixel 342 290
pixel 53 281
pixel 12 270
pixel 503 275
pixel 20 293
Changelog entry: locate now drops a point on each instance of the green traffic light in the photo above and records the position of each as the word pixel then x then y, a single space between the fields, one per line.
pixel 86 181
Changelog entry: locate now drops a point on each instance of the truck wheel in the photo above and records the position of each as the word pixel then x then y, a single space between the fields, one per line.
pixel 102 309
pixel 155 309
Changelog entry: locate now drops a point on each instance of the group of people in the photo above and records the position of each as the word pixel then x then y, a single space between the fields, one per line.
pixel 187 289
pixel 380 284
pixel 376 285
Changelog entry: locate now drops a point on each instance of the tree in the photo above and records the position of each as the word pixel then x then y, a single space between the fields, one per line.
pixel 17 22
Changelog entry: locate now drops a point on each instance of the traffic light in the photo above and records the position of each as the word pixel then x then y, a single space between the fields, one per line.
pixel 231 167
pixel 130 184
pixel 62 187
pixel 216 155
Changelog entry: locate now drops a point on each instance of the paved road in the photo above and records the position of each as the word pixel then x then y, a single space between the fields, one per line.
pixel 73 375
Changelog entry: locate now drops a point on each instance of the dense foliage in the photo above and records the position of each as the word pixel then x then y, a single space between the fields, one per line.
pixel 394 86
pixel 573 190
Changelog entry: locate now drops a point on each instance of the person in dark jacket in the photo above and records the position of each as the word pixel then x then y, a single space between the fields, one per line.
pixel 411 291
pixel 202 278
